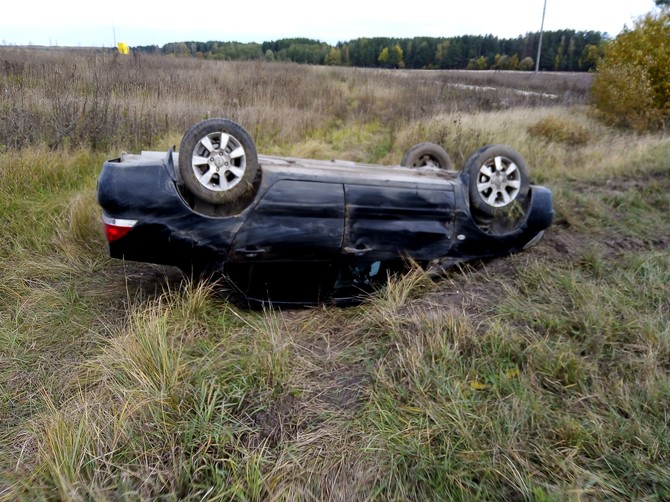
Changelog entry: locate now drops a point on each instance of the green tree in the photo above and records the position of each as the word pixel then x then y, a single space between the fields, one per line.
pixel 422 56
pixel 456 56
pixel 441 54
pixel 365 51
pixel 632 87
pixel 563 50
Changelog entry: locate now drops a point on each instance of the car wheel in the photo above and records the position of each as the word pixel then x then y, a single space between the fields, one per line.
pixel 427 155
pixel 218 162
pixel 499 179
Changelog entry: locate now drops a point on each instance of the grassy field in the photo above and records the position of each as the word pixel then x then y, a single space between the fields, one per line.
pixel 539 376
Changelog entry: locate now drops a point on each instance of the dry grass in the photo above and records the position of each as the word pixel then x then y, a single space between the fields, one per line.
pixel 102 100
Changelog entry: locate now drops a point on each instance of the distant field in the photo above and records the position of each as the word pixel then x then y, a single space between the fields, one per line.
pixel 100 100
pixel 538 376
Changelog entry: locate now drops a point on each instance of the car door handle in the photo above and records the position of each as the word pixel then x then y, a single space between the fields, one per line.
pixel 250 251
pixel 358 249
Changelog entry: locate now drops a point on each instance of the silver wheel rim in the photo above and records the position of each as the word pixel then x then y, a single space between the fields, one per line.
pixel 498 181
pixel 219 161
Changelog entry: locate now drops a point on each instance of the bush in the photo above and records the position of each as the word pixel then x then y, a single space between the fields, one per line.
pixel 632 88
pixel 526 64
pixel 560 130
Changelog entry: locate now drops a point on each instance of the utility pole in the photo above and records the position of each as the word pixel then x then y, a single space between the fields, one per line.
pixel 539 45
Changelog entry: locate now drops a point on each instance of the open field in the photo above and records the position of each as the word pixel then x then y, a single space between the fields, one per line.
pixel 100 100
pixel 539 376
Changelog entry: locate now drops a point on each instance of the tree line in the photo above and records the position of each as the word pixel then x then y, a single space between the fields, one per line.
pixel 562 50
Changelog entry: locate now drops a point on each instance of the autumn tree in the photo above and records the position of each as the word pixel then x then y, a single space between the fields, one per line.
pixel 395 57
pixel 526 64
pixel 477 64
pixel 505 62
pixel 384 56
pixel 632 87
pixel 391 57
pixel 590 57
pixel 334 57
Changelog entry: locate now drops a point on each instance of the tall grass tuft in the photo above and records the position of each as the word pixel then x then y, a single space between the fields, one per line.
pixel 144 360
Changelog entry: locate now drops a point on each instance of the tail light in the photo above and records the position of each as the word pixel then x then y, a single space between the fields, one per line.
pixel 115 228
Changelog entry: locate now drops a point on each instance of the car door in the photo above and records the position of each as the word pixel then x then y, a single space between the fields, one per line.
pixel 289 246
pixel 386 222
pixel 294 221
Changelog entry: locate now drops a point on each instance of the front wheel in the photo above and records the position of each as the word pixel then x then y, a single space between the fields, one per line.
pixel 499 178
pixel 498 188
pixel 218 162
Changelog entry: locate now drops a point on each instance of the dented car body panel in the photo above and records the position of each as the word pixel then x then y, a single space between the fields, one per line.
pixel 337 222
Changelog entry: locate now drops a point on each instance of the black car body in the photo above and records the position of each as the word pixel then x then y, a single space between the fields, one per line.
pixel 312 230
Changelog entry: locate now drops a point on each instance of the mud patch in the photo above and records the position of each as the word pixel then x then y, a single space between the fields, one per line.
pixel 626 183
pixel 559 244
pixel 278 422
pixel 619 246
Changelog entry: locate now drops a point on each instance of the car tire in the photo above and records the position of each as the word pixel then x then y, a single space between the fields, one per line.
pixel 427 155
pixel 498 179
pixel 218 162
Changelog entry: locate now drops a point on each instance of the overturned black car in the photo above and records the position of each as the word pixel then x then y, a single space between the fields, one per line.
pixel 302 231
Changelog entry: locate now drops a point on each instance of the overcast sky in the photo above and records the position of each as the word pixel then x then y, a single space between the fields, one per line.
pixel 148 22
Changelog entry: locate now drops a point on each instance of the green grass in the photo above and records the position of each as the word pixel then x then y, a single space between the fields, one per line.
pixel 538 376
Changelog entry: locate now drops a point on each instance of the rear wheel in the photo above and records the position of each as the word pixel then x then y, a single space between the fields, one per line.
pixel 218 162
pixel 427 155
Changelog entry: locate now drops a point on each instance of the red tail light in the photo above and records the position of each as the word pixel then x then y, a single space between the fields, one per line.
pixel 116 228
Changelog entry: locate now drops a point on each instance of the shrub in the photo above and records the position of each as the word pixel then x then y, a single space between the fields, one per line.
pixel 526 64
pixel 560 130
pixel 632 88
